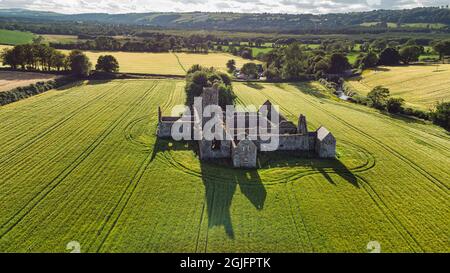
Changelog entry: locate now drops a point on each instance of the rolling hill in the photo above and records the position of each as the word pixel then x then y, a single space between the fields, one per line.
pixel 250 22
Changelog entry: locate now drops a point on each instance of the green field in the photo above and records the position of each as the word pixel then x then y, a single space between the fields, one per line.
pixel 83 164
pixel 64 39
pixel 422 86
pixel 407 25
pixel 9 37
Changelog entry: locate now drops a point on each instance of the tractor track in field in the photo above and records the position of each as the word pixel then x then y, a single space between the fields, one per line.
pixel 439 146
pixel 132 185
pixel 90 118
pixel 179 62
pixel 168 159
pixel 171 99
pixel 128 131
pixel 387 212
pixel 291 210
pixel 51 99
pixel 63 120
pixel 53 127
pixel 136 180
pixel 409 238
pixel 69 169
pixel 201 223
pixel 392 151
pixel 389 215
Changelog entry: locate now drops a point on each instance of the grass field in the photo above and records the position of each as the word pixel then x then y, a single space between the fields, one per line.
pixel 407 25
pixel 165 63
pixel 420 85
pixel 65 39
pixel 9 37
pixel 83 164
pixel 10 80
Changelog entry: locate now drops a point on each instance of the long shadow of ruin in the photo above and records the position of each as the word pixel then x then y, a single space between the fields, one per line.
pixel 326 167
pixel 220 187
pixel 221 181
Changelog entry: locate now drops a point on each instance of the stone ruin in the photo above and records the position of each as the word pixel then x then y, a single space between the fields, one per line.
pixel 243 153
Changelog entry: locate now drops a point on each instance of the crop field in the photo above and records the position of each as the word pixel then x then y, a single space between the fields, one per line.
pixel 83 164
pixel 65 39
pixel 10 80
pixel 165 63
pixel 420 85
pixel 10 37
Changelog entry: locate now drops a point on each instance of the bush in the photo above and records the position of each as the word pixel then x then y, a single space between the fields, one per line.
pixel 79 64
pixel 389 56
pixel 395 105
pixel 378 97
pixel 441 115
pixel 201 77
pixel 107 63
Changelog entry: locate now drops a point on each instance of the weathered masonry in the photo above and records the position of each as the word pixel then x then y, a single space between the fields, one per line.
pixel 243 149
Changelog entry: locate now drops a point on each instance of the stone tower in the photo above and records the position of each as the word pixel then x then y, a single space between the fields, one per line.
pixel 302 126
pixel 210 96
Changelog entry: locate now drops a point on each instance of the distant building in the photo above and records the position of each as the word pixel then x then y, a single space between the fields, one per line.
pixel 243 153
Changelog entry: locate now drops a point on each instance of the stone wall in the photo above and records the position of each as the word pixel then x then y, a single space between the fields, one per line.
pixel 244 154
pixel 207 152
pixel 294 143
pixel 165 129
pixel 326 148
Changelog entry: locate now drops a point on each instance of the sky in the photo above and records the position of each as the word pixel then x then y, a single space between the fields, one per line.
pixel 246 6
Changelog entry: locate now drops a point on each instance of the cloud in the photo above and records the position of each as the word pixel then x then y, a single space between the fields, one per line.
pixel 272 6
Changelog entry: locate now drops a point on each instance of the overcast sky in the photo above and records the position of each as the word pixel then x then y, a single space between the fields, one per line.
pixel 272 6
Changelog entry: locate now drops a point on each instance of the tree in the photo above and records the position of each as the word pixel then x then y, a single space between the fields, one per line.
pixel 441 115
pixel 107 63
pixel 231 65
pixel 272 73
pixel 389 56
pixel 395 105
pixel 410 54
pixel 322 66
pixel 59 60
pixel 79 64
pixel 378 45
pixel 442 48
pixel 207 77
pixel 378 96
pixel 38 40
pixel 338 63
pixel 250 70
pixel 9 59
pixel 292 61
pixel 367 61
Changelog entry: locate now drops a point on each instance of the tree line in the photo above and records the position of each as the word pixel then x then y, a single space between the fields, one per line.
pixel 154 42
pixel 41 57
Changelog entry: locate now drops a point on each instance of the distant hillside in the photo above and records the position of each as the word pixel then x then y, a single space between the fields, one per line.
pixel 420 18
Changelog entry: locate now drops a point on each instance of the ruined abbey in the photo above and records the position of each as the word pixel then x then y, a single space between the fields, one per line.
pixel 244 139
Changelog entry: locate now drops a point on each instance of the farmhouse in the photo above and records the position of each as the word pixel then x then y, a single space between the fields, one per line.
pixel 245 139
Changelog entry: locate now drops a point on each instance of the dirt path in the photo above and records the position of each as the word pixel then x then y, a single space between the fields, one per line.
pixel 12 79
